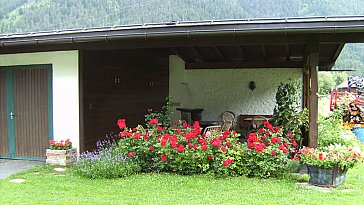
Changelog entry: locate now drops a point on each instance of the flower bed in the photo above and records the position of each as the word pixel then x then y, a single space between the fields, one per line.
pixel 183 151
pixel 186 151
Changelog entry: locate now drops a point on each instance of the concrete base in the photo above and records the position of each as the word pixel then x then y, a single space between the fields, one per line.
pixel 9 167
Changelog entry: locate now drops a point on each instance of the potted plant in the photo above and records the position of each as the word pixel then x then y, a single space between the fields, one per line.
pixel 60 152
pixel 328 166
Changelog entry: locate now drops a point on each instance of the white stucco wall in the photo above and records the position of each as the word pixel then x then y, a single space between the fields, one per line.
pixel 65 88
pixel 219 90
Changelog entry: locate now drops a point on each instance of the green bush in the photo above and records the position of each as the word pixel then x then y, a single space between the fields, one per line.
pixel 331 131
pixel 288 113
pixel 106 162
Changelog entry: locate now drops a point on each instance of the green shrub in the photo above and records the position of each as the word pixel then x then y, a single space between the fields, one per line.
pixel 106 162
pixel 288 113
pixel 331 131
pixel 163 117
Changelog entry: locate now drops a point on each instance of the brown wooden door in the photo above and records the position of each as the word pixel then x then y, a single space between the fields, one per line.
pixel 24 110
pixel 4 148
pixel 31 112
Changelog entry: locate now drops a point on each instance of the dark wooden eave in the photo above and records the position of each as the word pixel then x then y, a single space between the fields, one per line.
pixel 248 43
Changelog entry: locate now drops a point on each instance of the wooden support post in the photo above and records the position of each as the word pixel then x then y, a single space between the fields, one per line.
pixel 313 61
pixel 305 100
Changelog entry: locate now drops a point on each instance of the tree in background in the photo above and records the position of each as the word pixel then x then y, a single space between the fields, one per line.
pixel 327 80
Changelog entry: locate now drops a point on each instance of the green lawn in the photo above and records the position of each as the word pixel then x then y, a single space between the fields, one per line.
pixel 45 186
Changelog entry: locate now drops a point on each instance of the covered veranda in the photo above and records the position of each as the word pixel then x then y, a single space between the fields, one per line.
pixel 308 44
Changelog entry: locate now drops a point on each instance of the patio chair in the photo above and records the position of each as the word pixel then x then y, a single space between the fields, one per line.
pixel 257 121
pixel 174 125
pixel 228 120
pixel 141 129
pixel 216 128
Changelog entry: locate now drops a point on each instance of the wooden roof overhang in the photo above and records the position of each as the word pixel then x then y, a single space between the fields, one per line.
pixel 249 43
pixel 312 44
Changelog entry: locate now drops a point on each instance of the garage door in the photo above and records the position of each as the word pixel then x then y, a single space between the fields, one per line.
pixel 25 111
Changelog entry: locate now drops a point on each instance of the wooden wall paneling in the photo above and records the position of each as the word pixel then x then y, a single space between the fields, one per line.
pixel 4 149
pixel 142 83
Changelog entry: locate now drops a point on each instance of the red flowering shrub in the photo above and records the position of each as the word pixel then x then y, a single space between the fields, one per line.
pixel 184 150
pixel 267 152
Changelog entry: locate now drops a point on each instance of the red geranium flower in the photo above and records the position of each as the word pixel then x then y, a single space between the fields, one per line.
pixel 159 128
pixel 121 123
pixel 268 125
pixel 185 125
pixel 276 129
pixel 261 131
pixel 163 143
pixel 153 121
pixel 51 142
pixel 131 154
pixel 259 147
pixel 181 148
pixel 209 157
pixel 164 157
pixel 146 136
pixel 204 147
pixel 216 142
pixel 174 144
pixel 137 136
pixel 227 162
pixel 151 148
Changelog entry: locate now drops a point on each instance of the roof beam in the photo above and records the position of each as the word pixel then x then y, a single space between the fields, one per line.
pixel 288 52
pixel 219 53
pixel 180 54
pixel 241 51
pixel 198 54
pixel 335 55
pixel 264 52
pixel 244 64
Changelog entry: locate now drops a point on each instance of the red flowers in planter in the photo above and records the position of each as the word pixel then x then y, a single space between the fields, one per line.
pixel 60 145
